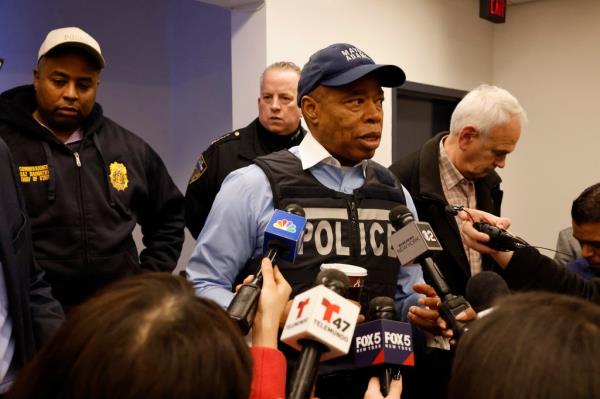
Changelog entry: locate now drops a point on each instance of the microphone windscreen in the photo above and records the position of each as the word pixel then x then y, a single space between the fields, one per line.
pixel 296 210
pixel 335 280
pixel 400 215
pixel 381 307
pixel 484 288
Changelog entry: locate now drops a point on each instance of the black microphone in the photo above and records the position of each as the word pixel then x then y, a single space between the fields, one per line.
pixel 382 308
pixel 282 238
pixel 484 288
pixel 417 241
pixel 382 343
pixel 320 324
pixel 500 239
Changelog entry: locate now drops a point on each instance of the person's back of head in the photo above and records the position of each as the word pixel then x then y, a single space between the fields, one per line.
pixel 146 336
pixel 534 345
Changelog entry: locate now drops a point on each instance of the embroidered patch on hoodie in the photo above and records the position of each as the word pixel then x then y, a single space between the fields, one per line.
pixel 35 173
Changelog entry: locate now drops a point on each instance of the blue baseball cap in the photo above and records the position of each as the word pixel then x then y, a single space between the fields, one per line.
pixel 341 64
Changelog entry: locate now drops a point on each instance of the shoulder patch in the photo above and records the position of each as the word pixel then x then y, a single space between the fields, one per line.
pixel 225 136
pixel 199 169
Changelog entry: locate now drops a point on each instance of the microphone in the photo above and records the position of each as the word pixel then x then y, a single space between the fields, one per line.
pixel 500 239
pixel 282 239
pixel 484 288
pixel 416 241
pixel 383 342
pixel 320 324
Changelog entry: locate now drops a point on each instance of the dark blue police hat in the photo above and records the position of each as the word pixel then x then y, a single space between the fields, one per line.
pixel 341 64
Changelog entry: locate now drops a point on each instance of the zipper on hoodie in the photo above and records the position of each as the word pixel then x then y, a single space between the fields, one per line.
pixel 354 229
pixel 77 159
pixel 82 208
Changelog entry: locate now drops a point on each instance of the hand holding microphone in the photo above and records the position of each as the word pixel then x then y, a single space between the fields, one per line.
pixel 477 240
pixel 374 389
pixel 383 343
pixel 282 239
pixel 417 241
pixel 274 296
pixel 493 226
pixel 320 324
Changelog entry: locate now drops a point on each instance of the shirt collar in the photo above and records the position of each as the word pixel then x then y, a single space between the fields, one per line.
pixel 452 176
pixel 312 153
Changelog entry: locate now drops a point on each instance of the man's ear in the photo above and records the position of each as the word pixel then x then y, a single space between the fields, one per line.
pixel 36 76
pixel 466 136
pixel 310 109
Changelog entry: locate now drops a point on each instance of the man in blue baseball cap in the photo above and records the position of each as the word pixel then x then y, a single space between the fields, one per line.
pixel 346 197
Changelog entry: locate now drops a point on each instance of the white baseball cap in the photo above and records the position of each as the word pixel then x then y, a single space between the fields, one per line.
pixel 71 36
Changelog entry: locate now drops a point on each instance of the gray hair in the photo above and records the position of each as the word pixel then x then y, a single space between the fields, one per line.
pixel 282 66
pixel 486 107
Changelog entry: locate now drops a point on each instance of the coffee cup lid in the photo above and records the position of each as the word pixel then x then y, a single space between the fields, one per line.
pixel 349 270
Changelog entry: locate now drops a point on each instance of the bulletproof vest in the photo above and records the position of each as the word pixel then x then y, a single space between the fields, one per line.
pixel 341 228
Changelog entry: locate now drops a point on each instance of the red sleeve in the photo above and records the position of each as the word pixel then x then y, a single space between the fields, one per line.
pixel 268 374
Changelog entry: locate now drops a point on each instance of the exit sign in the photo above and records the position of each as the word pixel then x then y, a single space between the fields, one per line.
pixel 493 10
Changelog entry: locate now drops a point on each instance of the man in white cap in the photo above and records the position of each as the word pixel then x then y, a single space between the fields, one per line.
pixel 87 181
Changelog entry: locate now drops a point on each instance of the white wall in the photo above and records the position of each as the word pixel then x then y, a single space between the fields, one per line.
pixel 548 55
pixel 437 42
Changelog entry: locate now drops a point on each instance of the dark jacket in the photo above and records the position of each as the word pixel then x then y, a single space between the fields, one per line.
pixel 530 270
pixel 84 200
pixel 34 313
pixel 420 174
pixel 224 155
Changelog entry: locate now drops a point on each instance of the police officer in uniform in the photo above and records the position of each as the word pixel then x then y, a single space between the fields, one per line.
pixel 277 127
pixel 346 196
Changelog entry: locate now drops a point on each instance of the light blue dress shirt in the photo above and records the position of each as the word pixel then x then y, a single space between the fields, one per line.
pixel 234 229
